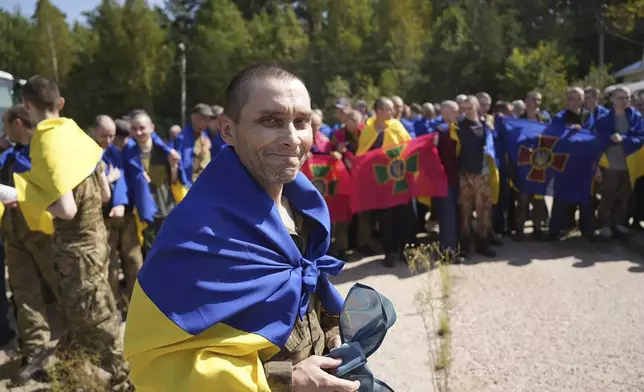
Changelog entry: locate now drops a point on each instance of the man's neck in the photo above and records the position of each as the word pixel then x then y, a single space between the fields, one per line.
pixel 46 116
pixel 575 110
pixel 474 119
pixel 145 146
pixel 532 113
pixel 620 111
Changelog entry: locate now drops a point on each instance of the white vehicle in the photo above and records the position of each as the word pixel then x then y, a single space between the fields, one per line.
pixel 8 94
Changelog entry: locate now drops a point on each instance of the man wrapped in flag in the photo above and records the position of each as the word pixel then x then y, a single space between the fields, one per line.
pixel 234 295
pixel 622 163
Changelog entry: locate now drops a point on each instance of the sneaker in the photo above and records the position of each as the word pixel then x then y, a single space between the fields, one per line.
pixel 483 248
pixel 391 260
pixel 622 231
pixel 459 259
pixel 605 233
pixel 494 239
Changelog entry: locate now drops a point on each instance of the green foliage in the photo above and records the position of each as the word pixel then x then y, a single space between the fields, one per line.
pixel 125 54
pixel 541 68
pixel 597 77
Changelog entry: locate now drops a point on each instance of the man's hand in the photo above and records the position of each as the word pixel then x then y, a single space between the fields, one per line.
pixel 336 155
pixel 205 145
pixel 576 127
pixel 117 212
pixel 174 157
pixel 147 177
pixel 113 174
pixel 342 147
pixel 310 375
pixel 616 138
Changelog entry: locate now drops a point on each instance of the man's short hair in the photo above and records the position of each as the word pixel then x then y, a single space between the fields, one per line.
pixel 217 110
pixel 136 113
pixel 518 103
pixel 18 112
pixel 381 102
pixel 484 97
pixel 202 109
pixel 533 95
pixel 502 107
pixel 461 98
pixel 590 90
pixel 623 89
pixel 354 115
pixel 397 99
pixel 123 127
pixel 576 90
pixel 239 89
pixel 449 104
pixel 42 93
pixel 416 108
pixel 473 100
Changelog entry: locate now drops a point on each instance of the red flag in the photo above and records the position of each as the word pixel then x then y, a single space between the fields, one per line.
pixel 331 178
pixel 387 177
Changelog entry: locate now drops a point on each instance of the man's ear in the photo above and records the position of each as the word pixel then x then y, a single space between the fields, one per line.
pixel 227 128
pixel 61 103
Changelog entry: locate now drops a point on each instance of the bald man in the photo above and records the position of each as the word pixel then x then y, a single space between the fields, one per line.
pixel 399 114
pixel 125 249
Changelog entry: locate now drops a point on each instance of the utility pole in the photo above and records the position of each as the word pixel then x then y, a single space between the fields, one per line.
pixel 182 48
pixel 54 58
pixel 602 30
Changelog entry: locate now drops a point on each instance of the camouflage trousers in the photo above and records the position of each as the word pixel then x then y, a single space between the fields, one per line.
pixel 125 254
pixel 31 272
pixel 92 323
pixel 475 195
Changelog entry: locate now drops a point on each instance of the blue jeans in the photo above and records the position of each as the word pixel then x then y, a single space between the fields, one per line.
pixel 447 208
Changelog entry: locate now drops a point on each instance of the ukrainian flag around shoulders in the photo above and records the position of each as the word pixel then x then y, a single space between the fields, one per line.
pixel 62 156
pixel 632 141
pixel 545 153
pixel 224 283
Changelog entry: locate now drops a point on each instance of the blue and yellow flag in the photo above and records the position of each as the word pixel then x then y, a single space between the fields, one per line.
pixel 632 141
pixel 113 157
pixel 224 282
pixel 19 156
pixel 62 156
pixel 545 154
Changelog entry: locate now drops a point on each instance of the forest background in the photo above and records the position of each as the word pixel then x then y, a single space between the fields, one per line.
pixel 126 54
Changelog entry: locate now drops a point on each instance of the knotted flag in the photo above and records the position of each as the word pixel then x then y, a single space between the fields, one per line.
pixel 331 178
pixel 391 176
pixel 220 291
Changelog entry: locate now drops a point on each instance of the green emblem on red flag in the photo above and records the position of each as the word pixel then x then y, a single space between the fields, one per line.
pixel 319 179
pixel 397 169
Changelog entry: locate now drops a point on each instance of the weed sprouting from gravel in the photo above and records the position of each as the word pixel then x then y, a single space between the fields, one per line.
pixel 433 302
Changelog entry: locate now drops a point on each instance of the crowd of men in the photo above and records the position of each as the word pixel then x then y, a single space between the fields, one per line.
pixel 104 224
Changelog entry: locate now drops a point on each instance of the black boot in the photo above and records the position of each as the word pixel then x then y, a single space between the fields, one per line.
pixel 484 248
pixel 494 239
pixel 465 248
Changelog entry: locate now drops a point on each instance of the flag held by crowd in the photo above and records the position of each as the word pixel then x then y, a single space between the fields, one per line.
pixel 546 154
pixel 332 179
pixel 387 177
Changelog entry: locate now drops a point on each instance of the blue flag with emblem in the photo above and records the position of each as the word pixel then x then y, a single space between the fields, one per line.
pixel 552 159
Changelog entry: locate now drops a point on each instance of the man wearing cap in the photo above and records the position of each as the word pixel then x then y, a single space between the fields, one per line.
pixel 193 143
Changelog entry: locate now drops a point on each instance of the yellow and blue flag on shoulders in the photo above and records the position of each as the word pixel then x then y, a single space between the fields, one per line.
pixel 632 141
pixel 62 156
pixel 220 290
pixel 18 155
pixel 545 154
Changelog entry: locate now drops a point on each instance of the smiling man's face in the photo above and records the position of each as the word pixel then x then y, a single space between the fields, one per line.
pixel 274 133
